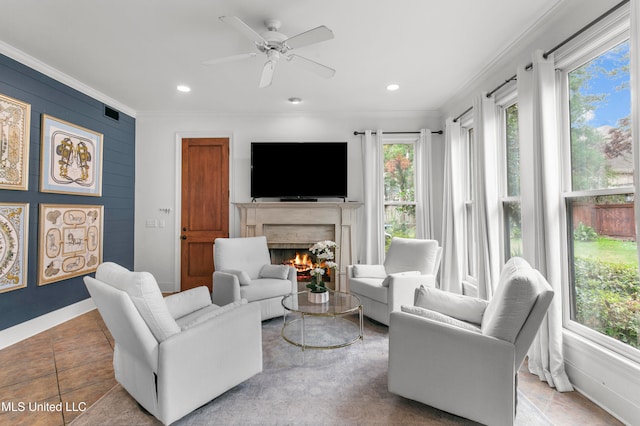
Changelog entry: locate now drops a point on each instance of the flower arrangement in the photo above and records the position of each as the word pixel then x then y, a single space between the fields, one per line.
pixel 324 252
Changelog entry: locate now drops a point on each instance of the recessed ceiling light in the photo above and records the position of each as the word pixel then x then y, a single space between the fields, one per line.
pixel 393 87
pixel 183 88
pixel 295 100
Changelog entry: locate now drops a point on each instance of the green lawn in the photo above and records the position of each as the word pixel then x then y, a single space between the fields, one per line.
pixel 608 250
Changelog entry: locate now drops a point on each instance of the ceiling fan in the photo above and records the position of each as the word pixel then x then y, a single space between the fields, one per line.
pixel 276 45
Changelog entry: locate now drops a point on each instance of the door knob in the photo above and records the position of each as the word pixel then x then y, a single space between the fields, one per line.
pixel 184 237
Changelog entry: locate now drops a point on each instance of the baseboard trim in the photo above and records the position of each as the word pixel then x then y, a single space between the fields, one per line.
pixel 15 334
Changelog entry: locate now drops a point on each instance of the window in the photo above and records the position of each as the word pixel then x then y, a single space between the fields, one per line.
pixel 470 240
pixel 604 293
pixel 399 190
pixel 512 226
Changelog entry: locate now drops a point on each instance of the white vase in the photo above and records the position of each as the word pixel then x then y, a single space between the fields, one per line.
pixel 318 297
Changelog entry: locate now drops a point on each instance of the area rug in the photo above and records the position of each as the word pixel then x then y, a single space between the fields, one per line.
pixel 346 386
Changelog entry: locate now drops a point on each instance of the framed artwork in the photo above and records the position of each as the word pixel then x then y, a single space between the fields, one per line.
pixel 15 118
pixel 69 241
pixel 71 158
pixel 14 226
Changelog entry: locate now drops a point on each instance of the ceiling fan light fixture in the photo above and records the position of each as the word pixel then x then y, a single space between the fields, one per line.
pixel 393 87
pixel 183 88
pixel 295 101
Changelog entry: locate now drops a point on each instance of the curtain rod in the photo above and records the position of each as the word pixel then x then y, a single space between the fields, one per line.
pixel 437 132
pixel 549 52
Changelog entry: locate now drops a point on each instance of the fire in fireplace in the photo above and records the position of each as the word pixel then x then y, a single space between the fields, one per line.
pixel 301 259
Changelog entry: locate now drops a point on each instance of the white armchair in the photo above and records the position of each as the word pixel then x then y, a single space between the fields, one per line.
pixel 177 353
pixel 243 270
pixel 462 354
pixel 408 264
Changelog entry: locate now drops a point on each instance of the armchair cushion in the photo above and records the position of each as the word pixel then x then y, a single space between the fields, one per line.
pixel 464 308
pixel 243 277
pixel 146 296
pixel 265 288
pixel 388 278
pixel 280 272
pixel 369 271
pixel 510 306
pixel 408 254
pixel 371 288
pixel 246 254
pixel 196 318
pixel 437 316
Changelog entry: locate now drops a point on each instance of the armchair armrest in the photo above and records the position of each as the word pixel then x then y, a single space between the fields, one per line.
pixel 402 289
pixel 226 288
pixel 466 366
pixel 293 277
pixel 218 354
pixel 185 302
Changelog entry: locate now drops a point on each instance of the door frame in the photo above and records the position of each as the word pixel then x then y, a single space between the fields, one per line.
pixel 178 194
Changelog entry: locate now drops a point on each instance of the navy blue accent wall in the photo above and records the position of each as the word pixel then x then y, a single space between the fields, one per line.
pixel 48 96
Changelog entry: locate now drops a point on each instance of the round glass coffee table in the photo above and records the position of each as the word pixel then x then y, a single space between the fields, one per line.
pixel 329 325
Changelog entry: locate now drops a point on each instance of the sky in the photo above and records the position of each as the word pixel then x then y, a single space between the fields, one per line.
pixel 618 101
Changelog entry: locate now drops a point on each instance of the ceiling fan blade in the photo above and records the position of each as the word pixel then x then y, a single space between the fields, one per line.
pixel 267 74
pixel 229 58
pixel 321 70
pixel 243 28
pixel 312 36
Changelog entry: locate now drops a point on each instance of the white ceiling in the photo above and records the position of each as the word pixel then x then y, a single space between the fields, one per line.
pixel 137 51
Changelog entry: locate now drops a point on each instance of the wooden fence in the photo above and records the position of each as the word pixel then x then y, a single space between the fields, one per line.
pixel 612 220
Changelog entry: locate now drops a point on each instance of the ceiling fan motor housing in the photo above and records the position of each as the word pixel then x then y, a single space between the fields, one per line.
pixel 274 39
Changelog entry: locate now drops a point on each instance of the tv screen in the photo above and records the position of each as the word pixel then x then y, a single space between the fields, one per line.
pixel 299 170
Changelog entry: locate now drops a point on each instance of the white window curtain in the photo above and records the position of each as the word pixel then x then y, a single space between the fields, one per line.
pixel 486 195
pixel 451 272
pixel 373 184
pixel 424 192
pixel 540 193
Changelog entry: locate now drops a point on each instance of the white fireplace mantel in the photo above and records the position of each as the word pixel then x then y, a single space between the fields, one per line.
pixel 298 224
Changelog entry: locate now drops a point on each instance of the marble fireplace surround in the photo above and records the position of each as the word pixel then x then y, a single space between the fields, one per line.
pixel 300 224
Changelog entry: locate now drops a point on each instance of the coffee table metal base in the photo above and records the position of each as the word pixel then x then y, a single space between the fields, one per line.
pixel 321 332
pixel 327 325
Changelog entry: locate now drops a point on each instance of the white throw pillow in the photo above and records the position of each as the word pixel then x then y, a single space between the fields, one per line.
pixel 243 277
pixel 389 277
pixel 511 304
pixel 280 272
pixel 458 306
pixel 186 302
pixel 369 271
pixel 437 316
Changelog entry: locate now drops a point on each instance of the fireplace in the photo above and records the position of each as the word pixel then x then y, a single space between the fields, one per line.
pixel 301 259
pixel 296 226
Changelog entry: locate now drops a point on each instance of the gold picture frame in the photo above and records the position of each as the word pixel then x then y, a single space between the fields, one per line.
pixel 15 124
pixel 14 243
pixel 69 241
pixel 70 158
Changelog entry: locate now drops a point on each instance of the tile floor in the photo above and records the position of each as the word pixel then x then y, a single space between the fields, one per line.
pixel 68 368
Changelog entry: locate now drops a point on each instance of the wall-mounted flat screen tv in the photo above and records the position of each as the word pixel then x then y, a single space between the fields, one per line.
pixel 298 170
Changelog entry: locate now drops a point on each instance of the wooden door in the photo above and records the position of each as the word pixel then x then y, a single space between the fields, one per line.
pixel 205 207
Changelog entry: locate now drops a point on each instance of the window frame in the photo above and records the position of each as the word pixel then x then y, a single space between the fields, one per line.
pixel 469 205
pixel 589 50
pixel 397 141
pixel 504 100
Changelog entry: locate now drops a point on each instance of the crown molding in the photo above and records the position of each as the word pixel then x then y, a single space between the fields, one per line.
pixel 36 64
